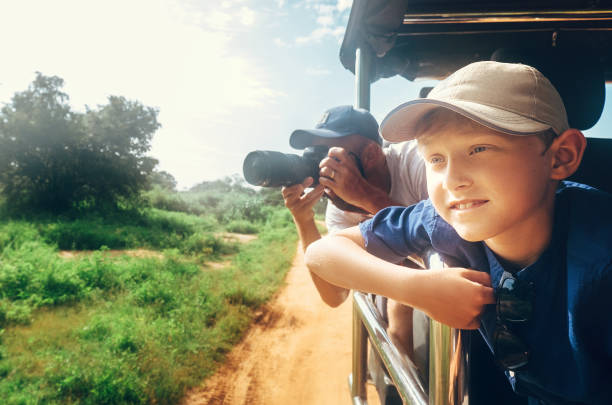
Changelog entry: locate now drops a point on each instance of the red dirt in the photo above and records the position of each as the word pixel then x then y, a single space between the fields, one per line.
pixel 238 237
pixel 297 352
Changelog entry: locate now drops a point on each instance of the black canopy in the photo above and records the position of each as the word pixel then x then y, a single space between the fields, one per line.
pixel 570 41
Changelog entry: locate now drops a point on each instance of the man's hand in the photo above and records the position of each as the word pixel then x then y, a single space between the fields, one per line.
pixel 300 203
pixel 455 296
pixel 341 177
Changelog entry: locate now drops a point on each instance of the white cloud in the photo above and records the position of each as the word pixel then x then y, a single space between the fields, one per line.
pixel 311 71
pixel 329 19
pixel 320 34
pixel 325 20
pixel 247 16
pixel 344 5
pixel 280 43
pixel 338 32
pixel 218 19
pixel 325 9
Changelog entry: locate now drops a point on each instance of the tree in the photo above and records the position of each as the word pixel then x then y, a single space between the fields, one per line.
pixel 53 158
pixel 164 180
pixel 228 184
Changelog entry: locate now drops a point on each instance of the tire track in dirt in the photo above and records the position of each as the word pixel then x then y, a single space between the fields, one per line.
pixel 298 351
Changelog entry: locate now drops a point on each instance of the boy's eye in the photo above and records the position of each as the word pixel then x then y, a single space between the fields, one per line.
pixel 434 160
pixel 478 149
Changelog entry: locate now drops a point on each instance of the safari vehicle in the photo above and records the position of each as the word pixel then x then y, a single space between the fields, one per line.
pixel 570 41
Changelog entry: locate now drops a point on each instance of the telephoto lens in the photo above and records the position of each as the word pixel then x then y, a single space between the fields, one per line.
pixel 276 169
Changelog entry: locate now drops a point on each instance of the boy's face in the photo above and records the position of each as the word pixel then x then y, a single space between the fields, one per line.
pixel 487 185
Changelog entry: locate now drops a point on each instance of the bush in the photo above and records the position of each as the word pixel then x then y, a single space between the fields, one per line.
pixel 226 200
pixel 167 200
pixel 85 235
pixel 15 233
pixel 241 226
pixel 152 228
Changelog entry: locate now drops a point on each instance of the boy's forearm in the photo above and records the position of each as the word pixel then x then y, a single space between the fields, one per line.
pixel 331 294
pixel 454 296
pixel 343 262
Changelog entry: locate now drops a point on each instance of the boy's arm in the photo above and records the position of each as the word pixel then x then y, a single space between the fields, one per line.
pixel 453 296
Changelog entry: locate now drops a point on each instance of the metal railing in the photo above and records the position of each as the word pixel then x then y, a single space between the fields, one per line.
pixel 448 357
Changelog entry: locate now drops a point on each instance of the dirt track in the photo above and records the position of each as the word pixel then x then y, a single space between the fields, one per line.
pixel 298 352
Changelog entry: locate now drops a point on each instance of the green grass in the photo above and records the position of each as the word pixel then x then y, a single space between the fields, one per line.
pixel 100 329
pixel 154 229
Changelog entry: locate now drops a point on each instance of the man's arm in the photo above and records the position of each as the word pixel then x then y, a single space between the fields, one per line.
pixel 301 205
pixel 453 296
pixel 341 176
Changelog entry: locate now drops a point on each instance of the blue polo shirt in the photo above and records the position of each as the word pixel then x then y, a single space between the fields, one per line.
pixel 570 333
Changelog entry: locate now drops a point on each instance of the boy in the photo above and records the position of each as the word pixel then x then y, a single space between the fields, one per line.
pixel 497 145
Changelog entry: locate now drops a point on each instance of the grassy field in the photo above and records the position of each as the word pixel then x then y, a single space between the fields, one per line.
pixel 102 328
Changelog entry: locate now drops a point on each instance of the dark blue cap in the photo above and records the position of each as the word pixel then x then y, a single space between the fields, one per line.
pixel 336 123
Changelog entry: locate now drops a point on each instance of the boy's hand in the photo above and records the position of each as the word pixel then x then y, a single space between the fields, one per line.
pixel 300 203
pixel 456 296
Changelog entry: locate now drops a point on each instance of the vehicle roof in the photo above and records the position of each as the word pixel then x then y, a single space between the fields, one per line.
pixel 431 38
pixel 568 40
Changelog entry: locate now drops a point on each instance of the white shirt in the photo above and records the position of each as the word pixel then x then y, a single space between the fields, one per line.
pixel 408 184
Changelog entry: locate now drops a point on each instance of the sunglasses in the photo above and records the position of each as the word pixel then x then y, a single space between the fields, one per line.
pixel 514 306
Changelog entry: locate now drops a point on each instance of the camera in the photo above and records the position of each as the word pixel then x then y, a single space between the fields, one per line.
pixel 275 169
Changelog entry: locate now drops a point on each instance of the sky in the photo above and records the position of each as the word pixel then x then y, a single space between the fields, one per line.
pixel 228 76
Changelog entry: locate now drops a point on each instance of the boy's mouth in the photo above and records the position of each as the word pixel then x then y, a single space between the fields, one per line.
pixel 466 204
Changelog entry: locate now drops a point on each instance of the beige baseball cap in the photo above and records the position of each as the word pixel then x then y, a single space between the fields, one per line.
pixel 509 97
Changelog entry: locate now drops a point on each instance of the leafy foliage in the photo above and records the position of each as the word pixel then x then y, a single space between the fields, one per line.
pixel 230 201
pixel 164 180
pixel 101 329
pixel 53 158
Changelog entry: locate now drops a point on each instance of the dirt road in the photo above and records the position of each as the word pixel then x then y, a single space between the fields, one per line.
pixel 298 352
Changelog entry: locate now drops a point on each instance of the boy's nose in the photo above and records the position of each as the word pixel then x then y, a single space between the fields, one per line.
pixel 457 175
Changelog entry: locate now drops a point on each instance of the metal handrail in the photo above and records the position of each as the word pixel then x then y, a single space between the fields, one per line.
pixel 402 371
pixel 448 357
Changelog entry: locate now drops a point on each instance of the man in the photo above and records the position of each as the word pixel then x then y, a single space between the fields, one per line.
pixel 359 177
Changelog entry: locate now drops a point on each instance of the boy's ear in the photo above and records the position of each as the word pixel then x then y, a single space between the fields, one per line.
pixel 567 150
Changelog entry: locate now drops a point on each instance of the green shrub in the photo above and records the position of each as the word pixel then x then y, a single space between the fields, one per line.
pixel 3 315
pixel 108 383
pixel 15 233
pixel 157 293
pixel 84 235
pixel 151 228
pixel 167 200
pixel 241 226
